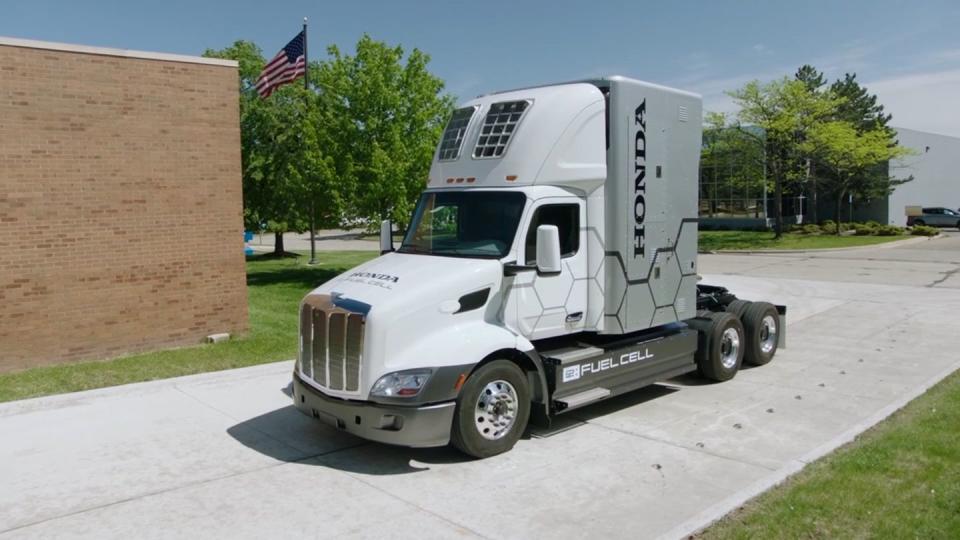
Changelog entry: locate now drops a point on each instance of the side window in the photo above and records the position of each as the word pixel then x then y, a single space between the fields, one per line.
pixel 567 219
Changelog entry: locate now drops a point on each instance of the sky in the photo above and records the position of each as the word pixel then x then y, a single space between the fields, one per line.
pixel 908 53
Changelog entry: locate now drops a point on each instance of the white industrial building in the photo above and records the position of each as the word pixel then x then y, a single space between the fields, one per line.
pixel 936 174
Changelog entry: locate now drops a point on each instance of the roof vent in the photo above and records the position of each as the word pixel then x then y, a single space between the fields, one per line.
pixel 683 115
pixel 453 135
pixel 498 128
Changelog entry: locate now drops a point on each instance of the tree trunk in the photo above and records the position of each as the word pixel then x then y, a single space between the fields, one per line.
pixel 278 244
pixel 813 191
pixel 839 208
pixel 777 199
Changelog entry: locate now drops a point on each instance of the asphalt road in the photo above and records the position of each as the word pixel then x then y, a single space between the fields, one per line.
pixel 225 455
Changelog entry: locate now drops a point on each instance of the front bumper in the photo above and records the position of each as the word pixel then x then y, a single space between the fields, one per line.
pixel 423 426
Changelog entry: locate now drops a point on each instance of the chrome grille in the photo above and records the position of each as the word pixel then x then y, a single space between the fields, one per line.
pixel 331 350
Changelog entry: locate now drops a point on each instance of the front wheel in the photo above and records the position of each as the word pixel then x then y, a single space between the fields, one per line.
pixel 492 410
pixel 919 222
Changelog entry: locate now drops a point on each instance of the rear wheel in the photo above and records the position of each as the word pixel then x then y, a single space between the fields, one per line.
pixel 737 307
pixel 919 222
pixel 761 324
pixel 492 410
pixel 720 345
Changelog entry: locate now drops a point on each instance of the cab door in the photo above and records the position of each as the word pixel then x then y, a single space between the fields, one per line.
pixel 553 305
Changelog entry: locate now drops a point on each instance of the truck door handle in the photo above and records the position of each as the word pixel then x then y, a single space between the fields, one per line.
pixel 575 317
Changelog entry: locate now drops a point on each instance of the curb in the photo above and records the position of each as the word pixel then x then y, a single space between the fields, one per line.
pixel 720 510
pixel 885 245
pixel 54 401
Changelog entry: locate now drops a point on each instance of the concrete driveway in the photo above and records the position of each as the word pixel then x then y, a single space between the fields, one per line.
pixel 225 455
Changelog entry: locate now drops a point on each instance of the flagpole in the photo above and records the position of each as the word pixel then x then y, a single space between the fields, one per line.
pixel 306 86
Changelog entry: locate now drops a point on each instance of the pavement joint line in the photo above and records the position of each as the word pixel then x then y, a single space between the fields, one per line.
pixel 188 485
pixel 234 419
pixel 719 510
pixel 415 505
pixel 676 445
pixel 946 275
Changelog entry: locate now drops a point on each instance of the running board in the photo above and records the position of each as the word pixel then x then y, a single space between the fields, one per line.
pixel 582 398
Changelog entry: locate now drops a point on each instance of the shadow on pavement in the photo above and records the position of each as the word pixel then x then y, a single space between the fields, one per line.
pixel 286 434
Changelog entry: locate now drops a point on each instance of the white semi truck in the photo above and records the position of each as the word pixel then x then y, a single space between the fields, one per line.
pixel 550 263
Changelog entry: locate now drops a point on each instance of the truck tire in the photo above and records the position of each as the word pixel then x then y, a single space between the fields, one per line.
pixel 492 410
pixel 919 222
pixel 737 307
pixel 761 323
pixel 720 345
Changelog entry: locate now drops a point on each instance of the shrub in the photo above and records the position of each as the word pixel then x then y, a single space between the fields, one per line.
pixel 829 227
pixel 811 228
pixel 923 230
pixel 866 230
pixel 889 230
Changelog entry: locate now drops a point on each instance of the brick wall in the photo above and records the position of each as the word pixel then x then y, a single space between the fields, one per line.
pixel 120 205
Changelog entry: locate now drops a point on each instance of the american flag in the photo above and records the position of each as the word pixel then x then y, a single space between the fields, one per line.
pixel 286 66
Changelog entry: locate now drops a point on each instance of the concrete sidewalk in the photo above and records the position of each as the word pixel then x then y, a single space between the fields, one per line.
pixel 226 454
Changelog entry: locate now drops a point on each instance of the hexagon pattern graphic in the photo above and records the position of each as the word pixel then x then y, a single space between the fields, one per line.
pixel 665 288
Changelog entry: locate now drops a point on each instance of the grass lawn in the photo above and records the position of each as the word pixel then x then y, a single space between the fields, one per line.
pixel 717 240
pixel 275 288
pixel 900 479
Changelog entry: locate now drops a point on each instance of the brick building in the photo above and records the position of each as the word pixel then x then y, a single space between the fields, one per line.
pixel 120 202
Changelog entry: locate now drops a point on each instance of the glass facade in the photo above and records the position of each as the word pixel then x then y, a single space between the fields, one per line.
pixel 732 176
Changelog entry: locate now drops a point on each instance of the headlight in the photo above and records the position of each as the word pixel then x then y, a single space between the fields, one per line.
pixel 401 383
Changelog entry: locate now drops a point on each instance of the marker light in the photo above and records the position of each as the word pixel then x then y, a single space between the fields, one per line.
pixel 401 383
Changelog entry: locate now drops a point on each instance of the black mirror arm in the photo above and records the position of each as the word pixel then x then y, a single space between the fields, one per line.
pixel 512 268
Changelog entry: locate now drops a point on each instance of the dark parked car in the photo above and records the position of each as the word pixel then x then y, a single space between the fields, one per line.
pixel 936 217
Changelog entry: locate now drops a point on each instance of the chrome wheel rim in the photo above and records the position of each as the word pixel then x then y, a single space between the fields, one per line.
pixel 768 334
pixel 729 348
pixel 496 410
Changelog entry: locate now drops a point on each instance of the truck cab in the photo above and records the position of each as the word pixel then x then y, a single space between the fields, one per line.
pixel 550 263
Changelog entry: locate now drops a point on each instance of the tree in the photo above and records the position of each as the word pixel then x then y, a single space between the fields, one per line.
pixel 814 82
pixel 784 111
pixel 387 115
pixel 809 76
pixel 272 149
pixel 850 156
pixel 859 107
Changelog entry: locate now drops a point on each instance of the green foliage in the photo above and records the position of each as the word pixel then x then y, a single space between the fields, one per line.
pixel 783 111
pixel 924 230
pixel 810 77
pixel 272 146
pixel 759 240
pixel 829 226
pixel 850 156
pixel 812 228
pixel 897 480
pixel 859 107
pixel 355 147
pixel 890 230
pixel 387 115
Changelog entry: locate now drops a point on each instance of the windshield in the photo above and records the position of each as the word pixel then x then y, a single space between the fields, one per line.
pixel 464 223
